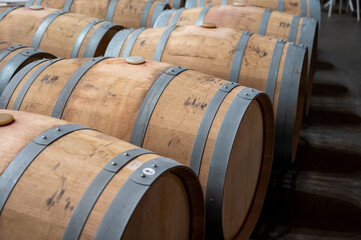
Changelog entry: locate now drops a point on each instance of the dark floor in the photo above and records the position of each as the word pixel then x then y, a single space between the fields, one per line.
pixel 320 196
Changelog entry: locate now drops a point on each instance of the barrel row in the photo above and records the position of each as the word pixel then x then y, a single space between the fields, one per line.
pixel 129 14
pixel 75 182
pixel 266 22
pixel 274 66
pixel 224 132
pixel 304 8
pixel 59 32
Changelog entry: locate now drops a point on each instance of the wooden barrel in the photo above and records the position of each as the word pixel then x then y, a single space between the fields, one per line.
pixel 263 63
pixel 15 57
pixel 59 32
pixel 223 131
pixel 304 8
pixel 266 22
pixel 62 180
pixel 128 13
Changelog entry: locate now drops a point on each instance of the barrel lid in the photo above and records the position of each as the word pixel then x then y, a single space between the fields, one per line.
pixel 239 4
pixel 209 25
pixel 135 60
pixel 6 118
pixel 36 7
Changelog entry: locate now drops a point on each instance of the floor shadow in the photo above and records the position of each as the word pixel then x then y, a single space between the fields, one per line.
pixel 329 118
pixel 324 66
pixel 326 160
pixel 329 90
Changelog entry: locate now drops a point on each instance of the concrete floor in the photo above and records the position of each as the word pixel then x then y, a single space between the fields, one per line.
pixel 320 196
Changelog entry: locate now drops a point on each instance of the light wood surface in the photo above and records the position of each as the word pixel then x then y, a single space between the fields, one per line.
pixel 212 51
pixel 20 26
pixel 108 98
pixel 46 195
pixel 127 13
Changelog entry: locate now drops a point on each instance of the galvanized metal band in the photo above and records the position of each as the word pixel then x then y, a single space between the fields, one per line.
pixel 159 7
pixel 287 103
pixel 130 43
pixel 175 17
pixel 264 22
pixel 10 88
pixel 29 3
pixel 116 44
pixel 238 56
pixel 307 36
pixel 157 56
pixel 44 26
pixel 67 5
pixel 205 126
pixel 294 28
pixel 4 13
pixel 4 53
pixel 26 156
pixel 97 37
pixel 220 159
pixel 95 189
pixel 128 197
pixel 224 2
pixel 110 11
pixel 145 13
pixel 15 63
pixel 149 103
pixel 80 39
pixel 20 97
pixel 274 68
pixel 201 3
pixel 176 4
pixel 191 4
pixel 280 7
pixel 70 85
pixel 202 15
pixel 315 10
pixel 39 2
pixel 163 18
pixel 303 8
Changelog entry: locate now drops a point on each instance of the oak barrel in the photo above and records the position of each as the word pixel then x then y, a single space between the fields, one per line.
pixel 304 8
pixel 128 13
pixel 58 32
pixel 63 180
pixel 266 22
pixel 223 131
pixel 276 67
pixel 15 57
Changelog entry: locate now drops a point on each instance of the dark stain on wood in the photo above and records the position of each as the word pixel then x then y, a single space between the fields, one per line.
pixel 261 53
pixel 285 25
pixel 56 166
pixel 294 4
pixel 47 79
pixel 142 43
pixel 193 103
